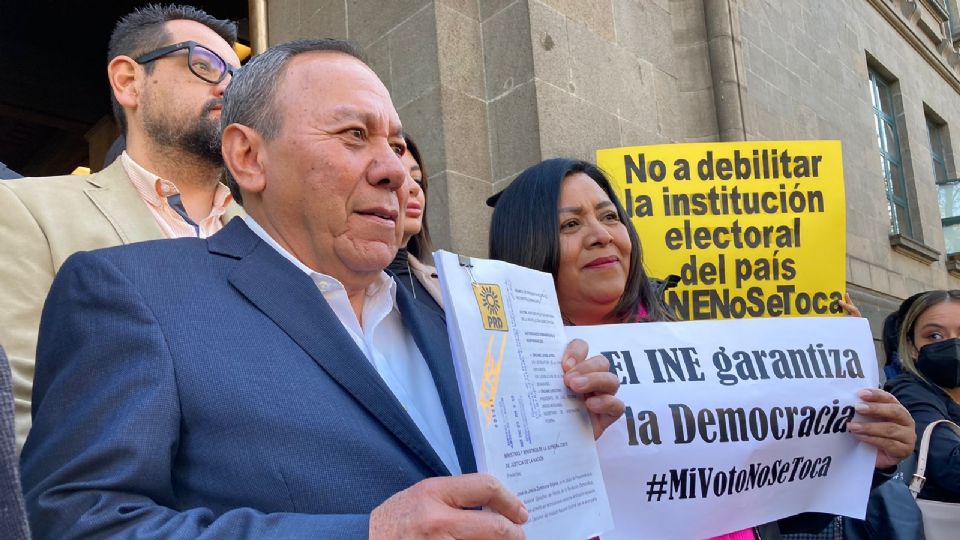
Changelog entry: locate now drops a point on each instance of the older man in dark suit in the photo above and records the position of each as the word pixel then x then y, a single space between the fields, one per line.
pixel 271 381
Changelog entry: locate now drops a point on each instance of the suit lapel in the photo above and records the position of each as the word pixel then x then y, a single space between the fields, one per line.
pixel 291 300
pixel 429 331
pixel 114 195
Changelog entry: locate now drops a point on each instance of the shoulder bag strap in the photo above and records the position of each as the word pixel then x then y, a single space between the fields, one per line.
pixel 916 484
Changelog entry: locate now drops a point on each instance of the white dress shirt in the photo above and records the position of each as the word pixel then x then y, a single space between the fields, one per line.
pixel 388 346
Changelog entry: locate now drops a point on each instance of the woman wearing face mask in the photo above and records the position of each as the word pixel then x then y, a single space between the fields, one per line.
pixel 411 267
pixel 930 385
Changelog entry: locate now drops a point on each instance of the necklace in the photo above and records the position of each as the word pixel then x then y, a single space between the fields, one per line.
pixel 410 275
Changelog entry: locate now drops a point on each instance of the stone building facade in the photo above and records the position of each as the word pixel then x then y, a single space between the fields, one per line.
pixel 489 87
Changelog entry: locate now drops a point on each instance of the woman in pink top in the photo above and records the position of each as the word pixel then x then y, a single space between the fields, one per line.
pixel 562 216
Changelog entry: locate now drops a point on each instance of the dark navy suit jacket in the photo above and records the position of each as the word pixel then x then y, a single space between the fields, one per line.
pixel 204 389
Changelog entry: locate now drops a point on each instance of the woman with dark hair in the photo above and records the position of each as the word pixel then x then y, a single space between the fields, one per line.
pixel 589 245
pixel 562 216
pixel 411 265
pixel 929 387
pixel 890 337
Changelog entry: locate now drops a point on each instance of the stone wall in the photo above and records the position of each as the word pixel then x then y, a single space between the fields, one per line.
pixel 490 87
pixel 806 66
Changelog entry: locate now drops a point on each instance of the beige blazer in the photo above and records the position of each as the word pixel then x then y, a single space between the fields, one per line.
pixel 42 222
pixel 427 276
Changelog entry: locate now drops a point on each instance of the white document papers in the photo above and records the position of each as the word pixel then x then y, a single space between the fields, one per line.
pixel 731 424
pixel 527 429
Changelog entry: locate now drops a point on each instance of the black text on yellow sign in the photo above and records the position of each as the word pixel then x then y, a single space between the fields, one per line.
pixel 753 229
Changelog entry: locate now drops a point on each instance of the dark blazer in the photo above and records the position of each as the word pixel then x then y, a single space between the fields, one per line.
pixel 203 388
pixel 13 519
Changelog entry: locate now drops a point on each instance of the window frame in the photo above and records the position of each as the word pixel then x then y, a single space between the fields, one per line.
pixel 881 93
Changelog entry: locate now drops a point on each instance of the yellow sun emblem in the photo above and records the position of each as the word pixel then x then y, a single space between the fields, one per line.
pixel 490 302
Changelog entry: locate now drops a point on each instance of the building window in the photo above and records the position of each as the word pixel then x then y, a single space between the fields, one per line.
pixel 953 19
pixel 891 162
pixel 937 153
pixel 948 188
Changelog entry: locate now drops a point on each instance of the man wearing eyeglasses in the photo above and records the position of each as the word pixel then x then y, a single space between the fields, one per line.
pixel 168 67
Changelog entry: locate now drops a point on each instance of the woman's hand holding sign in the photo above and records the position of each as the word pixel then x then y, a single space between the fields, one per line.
pixel 849 308
pixel 591 377
pixel 891 430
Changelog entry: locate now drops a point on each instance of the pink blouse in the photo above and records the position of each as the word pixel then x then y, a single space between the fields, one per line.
pixel 746 534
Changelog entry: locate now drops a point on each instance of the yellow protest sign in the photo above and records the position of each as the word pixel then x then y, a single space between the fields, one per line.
pixel 753 229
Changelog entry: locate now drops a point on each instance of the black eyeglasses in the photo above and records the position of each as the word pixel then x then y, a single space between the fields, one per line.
pixel 202 62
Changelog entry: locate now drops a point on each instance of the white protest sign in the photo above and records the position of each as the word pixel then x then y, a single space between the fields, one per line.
pixel 734 423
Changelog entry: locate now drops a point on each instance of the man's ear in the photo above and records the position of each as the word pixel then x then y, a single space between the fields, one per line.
pixel 243 149
pixel 123 72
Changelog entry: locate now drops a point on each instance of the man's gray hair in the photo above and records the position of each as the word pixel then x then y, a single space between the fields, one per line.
pixel 250 99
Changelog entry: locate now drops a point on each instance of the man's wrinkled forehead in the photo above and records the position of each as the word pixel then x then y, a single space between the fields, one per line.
pixel 332 70
pixel 341 84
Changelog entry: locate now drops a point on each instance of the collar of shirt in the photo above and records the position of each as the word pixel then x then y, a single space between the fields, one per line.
pixel 381 295
pixel 163 199
pixel 155 190
pixel 387 345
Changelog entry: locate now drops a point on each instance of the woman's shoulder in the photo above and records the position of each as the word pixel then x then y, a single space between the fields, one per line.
pixel 424 269
pixel 910 390
pixel 907 383
pixel 904 382
pixel 427 276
